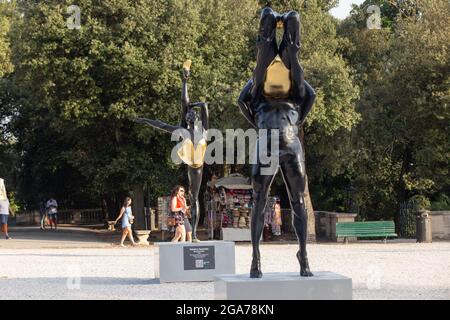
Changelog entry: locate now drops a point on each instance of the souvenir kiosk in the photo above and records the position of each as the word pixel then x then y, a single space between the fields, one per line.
pixel 228 204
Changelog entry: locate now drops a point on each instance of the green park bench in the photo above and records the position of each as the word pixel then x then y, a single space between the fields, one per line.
pixel 368 229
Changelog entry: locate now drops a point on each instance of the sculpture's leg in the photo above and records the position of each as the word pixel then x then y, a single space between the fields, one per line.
pixel 289 48
pixel 294 175
pixel 195 181
pixel 261 187
pixel 266 47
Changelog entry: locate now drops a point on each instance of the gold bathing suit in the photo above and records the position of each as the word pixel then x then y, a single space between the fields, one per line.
pixel 277 84
pixel 193 157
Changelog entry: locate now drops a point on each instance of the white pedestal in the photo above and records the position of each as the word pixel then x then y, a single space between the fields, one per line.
pixel 283 286
pixel 186 261
pixel 142 236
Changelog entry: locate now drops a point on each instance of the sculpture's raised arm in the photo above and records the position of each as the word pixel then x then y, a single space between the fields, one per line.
pixel 244 102
pixel 184 92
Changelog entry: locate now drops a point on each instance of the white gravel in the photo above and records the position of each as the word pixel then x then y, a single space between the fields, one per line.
pixel 379 271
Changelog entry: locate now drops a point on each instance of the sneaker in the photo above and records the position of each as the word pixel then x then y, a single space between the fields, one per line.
pixel 8 238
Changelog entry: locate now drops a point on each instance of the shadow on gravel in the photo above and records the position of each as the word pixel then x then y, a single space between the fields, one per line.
pixel 84 281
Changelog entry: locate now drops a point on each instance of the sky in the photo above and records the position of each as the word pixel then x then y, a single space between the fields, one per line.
pixel 343 10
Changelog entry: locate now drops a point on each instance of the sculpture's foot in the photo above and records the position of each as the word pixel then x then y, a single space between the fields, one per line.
pixel 304 266
pixel 195 240
pixel 256 274
pixel 255 270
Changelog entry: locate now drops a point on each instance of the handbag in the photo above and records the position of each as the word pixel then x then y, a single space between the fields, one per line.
pixel 170 221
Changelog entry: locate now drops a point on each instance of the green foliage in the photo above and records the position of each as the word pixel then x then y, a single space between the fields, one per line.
pixel 7 155
pixel 403 139
pixel 441 203
pixel 420 203
pixel 14 205
pixel 5 63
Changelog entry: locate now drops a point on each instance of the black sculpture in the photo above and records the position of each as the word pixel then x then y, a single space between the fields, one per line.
pixel 193 149
pixel 278 97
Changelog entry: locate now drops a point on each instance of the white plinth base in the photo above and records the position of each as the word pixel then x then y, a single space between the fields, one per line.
pixel 186 261
pixel 283 286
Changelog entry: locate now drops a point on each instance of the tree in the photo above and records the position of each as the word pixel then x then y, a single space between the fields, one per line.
pixel 403 69
pixel 7 157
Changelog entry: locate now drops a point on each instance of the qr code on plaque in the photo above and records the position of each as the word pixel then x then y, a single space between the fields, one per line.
pixel 199 263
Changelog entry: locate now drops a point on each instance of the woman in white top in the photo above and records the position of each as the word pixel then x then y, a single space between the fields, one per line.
pixel 5 209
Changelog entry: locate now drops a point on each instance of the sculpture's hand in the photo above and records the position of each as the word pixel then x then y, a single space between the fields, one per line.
pixel 186 74
pixel 186 69
pixel 279 20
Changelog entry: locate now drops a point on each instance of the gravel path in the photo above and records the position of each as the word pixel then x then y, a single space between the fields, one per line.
pixel 379 271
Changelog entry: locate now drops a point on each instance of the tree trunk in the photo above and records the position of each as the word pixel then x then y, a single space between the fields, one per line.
pixel 226 170
pixel 105 209
pixel 402 193
pixel 113 202
pixel 138 208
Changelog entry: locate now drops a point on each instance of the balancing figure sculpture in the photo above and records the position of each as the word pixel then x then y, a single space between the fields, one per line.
pixel 278 97
pixel 193 148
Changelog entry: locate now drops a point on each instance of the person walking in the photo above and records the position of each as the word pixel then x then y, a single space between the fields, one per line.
pixel 52 210
pixel 5 210
pixel 127 220
pixel 42 213
pixel 178 208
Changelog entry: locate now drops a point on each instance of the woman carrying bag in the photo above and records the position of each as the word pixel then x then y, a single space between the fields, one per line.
pixel 127 220
pixel 178 208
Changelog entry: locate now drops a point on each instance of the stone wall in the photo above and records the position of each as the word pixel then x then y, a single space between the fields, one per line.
pixel 440 225
pixel 326 224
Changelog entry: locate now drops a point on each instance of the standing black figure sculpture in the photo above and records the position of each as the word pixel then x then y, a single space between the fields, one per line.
pixel 278 97
pixel 192 151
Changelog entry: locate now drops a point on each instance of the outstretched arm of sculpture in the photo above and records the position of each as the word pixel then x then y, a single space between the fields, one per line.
pixel 244 103
pixel 157 124
pixel 307 103
pixel 185 93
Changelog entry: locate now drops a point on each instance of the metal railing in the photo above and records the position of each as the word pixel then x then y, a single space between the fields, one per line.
pixel 71 216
